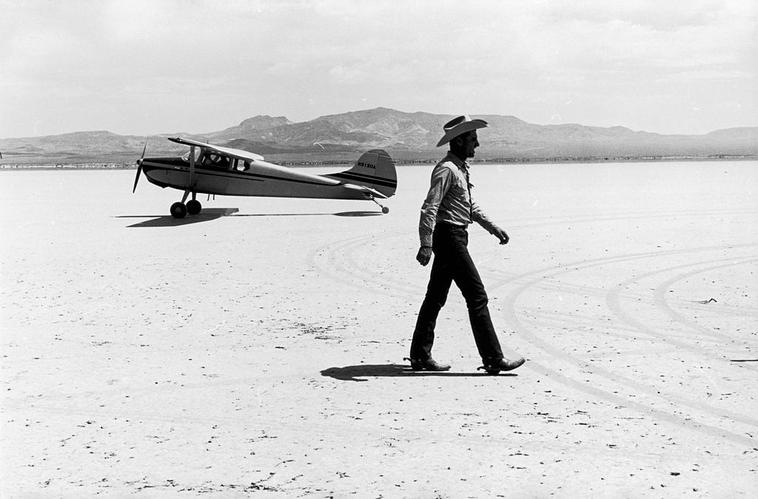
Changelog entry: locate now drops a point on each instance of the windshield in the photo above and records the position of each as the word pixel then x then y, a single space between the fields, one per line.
pixel 186 155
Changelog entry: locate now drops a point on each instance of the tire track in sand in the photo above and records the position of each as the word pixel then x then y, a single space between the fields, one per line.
pixel 616 379
pixel 613 300
pixel 661 298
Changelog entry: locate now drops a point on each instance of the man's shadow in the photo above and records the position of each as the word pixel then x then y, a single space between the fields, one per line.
pixel 355 373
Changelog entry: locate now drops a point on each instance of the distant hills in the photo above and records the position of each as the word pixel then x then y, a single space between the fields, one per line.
pixel 407 137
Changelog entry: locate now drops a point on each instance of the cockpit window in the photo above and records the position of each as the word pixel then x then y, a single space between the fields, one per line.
pixel 186 156
pixel 215 160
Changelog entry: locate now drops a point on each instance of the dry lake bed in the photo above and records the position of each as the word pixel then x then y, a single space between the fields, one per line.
pixel 257 349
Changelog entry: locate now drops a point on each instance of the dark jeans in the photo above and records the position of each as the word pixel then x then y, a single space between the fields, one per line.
pixel 452 262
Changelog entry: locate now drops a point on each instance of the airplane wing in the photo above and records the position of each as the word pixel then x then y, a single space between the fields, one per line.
pixel 260 166
pixel 228 151
pixel 365 190
pixel 277 170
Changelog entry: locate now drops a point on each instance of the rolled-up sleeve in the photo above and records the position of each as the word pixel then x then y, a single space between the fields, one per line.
pixel 440 184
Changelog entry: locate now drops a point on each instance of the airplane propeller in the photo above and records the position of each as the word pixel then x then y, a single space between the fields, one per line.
pixel 139 168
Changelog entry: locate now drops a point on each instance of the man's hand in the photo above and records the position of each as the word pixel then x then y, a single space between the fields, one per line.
pixel 424 255
pixel 501 234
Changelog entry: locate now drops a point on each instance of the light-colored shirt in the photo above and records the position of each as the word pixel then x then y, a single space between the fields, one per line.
pixel 449 200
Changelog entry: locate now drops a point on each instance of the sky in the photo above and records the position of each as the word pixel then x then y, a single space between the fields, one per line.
pixel 161 66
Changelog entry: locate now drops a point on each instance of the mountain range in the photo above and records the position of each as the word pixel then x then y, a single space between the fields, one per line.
pixel 406 136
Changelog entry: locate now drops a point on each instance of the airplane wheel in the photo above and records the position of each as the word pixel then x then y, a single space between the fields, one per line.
pixel 194 207
pixel 178 210
pixel 385 210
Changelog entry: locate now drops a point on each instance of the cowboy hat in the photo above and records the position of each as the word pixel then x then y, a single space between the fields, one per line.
pixel 458 126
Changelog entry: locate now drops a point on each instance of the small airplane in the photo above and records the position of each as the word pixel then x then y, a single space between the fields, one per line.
pixel 210 169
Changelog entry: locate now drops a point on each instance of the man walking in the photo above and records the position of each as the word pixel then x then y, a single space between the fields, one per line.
pixel 445 215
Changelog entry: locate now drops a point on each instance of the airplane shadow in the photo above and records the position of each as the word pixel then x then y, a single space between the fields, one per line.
pixel 209 214
pixel 206 215
pixel 355 373
pixel 340 214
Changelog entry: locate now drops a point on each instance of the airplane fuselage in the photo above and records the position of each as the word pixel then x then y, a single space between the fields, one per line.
pixel 266 180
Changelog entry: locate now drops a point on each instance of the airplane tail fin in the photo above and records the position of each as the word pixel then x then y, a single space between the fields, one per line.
pixel 374 169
